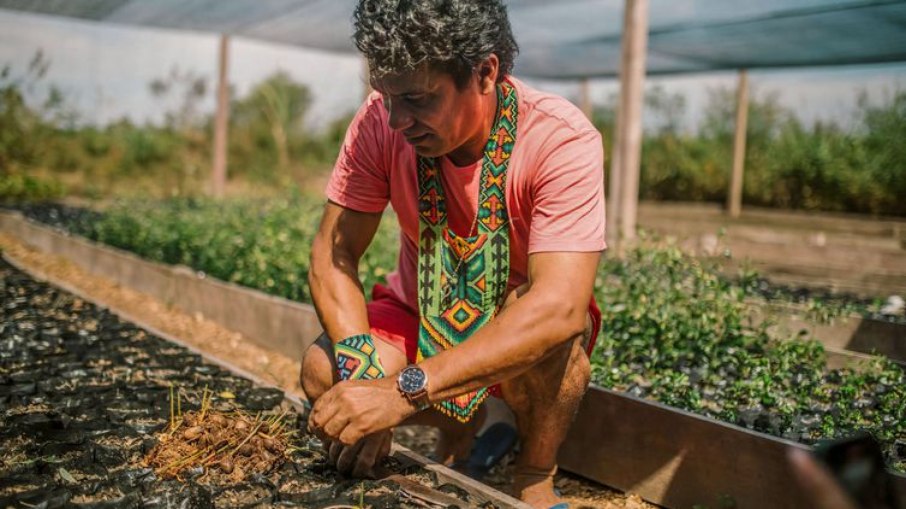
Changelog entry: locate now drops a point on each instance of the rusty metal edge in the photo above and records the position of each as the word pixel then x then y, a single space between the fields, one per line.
pixel 678 459
pixel 481 492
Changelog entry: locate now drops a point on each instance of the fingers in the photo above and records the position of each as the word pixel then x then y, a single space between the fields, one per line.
pixel 359 459
pixel 324 409
pixel 349 434
pixel 333 451
pixel 349 457
pixel 338 429
pixel 326 420
pixel 369 454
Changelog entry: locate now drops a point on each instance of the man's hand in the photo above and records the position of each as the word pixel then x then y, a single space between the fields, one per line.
pixel 359 460
pixel 352 409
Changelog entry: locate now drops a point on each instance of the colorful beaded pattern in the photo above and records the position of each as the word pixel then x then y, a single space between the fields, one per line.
pixel 462 281
pixel 357 358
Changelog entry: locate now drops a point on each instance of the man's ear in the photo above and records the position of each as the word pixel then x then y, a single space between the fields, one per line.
pixel 487 74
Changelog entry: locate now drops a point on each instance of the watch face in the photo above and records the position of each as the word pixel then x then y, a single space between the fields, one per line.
pixel 412 379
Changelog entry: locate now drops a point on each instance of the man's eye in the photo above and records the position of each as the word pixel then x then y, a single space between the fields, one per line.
pixel 415 99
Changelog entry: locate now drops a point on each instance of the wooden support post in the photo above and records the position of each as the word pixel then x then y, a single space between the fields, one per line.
pixel 615 185
pixel 632 86
pixel 734 198
pixel 585 98
pixel 221 121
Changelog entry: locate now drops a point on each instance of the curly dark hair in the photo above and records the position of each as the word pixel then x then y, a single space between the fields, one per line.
pixel 449 35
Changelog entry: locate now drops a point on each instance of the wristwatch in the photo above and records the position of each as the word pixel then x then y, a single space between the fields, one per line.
pixel 413 383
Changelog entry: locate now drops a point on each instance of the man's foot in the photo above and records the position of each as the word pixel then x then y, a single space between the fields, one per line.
pixel 535 487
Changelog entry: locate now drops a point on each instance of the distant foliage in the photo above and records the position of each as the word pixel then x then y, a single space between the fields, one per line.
pixel 268 122
pixel 788 165
pixel 25 188
pixel 268 140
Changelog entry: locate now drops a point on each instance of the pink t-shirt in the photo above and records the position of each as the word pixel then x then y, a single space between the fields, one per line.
pixel 554 188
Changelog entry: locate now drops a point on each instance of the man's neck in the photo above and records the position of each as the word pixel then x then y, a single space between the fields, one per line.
pixel 473 149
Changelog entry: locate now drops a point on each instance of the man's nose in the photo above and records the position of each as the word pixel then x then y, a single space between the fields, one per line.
pixel 399 117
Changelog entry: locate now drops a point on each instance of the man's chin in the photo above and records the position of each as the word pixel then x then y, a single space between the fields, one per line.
pixel 428 151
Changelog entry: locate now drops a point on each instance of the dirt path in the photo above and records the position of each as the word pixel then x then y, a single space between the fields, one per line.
pixel 274 368
pixel 849 253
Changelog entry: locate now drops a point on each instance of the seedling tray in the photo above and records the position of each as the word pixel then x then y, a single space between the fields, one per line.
pixel 84 394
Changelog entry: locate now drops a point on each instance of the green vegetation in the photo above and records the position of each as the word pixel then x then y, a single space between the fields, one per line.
pixel 673 331
pixel 40 135
pixel 788 165
pixel 676 332
pixel 263 244
pixel 25 188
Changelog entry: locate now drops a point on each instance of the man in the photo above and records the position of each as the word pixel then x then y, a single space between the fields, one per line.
pixel 498 189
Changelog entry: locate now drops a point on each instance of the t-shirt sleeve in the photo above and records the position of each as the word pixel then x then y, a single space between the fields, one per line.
pixel 360 179
pixel 568 212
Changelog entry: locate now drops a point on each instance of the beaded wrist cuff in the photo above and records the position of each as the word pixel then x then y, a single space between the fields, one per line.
pixel 357 358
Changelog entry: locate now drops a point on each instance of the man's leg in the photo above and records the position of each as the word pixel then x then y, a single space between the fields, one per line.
pixel 544 400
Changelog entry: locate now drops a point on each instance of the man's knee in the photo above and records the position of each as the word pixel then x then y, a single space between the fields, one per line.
pixel 579 371
pixel 572 361
pixel 562 375
pixel 318 373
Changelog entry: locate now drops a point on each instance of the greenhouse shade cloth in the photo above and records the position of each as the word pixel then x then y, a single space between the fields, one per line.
pixel 565 39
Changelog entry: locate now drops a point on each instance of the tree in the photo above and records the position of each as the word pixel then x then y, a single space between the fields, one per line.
pixel 277 105
pixel 188 89
pixel 181 92
pixel 27 120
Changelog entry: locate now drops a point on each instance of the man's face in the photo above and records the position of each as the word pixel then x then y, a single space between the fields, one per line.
pixel 428 109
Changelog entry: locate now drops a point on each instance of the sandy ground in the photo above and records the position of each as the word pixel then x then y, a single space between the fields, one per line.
pixel 273 368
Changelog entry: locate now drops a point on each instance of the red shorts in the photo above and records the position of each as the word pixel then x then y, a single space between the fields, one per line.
pixel 396 324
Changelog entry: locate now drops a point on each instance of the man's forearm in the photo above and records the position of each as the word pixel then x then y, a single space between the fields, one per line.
pixel 520 336
pixel 337 294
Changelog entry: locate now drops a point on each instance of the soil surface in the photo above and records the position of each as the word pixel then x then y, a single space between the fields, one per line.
pixel 84 395
pixel 280 370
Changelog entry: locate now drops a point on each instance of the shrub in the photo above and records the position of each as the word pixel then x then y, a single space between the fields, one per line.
pixel 21 188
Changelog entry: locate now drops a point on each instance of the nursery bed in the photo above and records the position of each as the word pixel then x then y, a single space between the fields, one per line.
pixel 82 395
